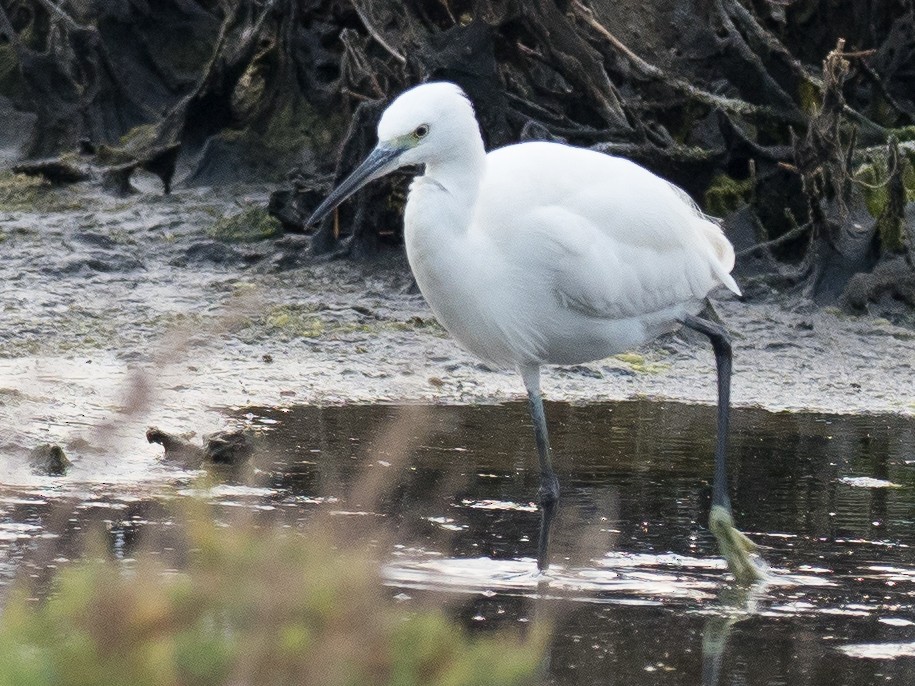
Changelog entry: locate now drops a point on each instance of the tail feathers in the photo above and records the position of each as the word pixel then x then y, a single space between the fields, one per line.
pixel 721 246
pixel 728 281
pixel 723 253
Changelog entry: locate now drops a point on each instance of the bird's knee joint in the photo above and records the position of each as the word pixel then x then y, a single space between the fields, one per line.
pixel 722 341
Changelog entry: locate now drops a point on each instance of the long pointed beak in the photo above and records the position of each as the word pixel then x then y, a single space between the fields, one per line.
pixel 379 162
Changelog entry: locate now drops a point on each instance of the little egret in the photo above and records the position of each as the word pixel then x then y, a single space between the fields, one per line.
pixel 541 253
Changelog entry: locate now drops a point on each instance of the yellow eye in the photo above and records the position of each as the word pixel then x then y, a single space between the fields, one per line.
pixel 421 131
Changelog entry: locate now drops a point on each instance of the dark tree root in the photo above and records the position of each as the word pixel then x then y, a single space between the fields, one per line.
pixel 56 170
pixel 725 98
pixel 224 448
pixel 889 289
pixel 845 240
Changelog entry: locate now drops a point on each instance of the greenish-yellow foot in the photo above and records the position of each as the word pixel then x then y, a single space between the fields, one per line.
pixel 738 550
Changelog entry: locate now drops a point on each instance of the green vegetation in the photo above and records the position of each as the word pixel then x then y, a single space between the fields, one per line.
pixel 253 605
pixel 139 138
pixel 20 192
pixel 278 139
pixel 873 180
pixel 639 364
pixel 291 321
pixel 294 322
pixel 297 125
pixel 25 193
pixel 725 195
pixel 810 97
pixel 873 177
pixel 251 224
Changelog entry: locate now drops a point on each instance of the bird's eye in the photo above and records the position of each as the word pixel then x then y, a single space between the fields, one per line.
pixel 421 131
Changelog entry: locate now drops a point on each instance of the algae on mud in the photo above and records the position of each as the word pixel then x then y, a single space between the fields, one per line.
pixel 249 225
pixel 121 290
pixel 25 193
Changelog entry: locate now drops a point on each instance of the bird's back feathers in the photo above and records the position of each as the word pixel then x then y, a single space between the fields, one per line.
pixel 617 240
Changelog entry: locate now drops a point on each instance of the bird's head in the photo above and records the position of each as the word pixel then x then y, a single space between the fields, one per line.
pixel 420 127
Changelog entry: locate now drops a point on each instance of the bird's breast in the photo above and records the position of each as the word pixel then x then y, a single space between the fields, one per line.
pixel 499 290
pixel 451 281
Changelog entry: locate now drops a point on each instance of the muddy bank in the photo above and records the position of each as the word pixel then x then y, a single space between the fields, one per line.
pixel 122 313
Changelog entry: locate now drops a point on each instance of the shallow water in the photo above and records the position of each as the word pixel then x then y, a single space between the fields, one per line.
pixel 636 592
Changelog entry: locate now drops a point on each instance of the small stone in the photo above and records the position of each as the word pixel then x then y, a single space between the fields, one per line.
pixel 49 459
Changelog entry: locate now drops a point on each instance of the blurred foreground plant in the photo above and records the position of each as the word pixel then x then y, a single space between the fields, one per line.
pixel 251 605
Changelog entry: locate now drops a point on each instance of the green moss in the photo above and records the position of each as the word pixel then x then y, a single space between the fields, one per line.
pixel 417 324
pixel 810 97
pixel 892 232
pixel 300 125
pixel 294 322
pixel 726 195
pixel 142 136
pixel 136 140
pixel 639 364
pixel 252 224
pixel 873 180
pixel 25 193
pixel 20 191
pixel 288 322
pixel 881 112
pixel 279 143
pixel 249 91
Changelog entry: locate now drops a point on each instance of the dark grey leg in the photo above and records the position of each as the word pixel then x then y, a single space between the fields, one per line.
pixel 549 484
pixel 721 343
pixel 548 493
pixel 735 547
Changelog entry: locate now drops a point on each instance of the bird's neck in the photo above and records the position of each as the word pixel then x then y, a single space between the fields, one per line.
pixel 437 221
pixel 442 201
pixel 459 177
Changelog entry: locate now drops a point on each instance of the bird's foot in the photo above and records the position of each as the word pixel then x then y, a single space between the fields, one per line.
pixel 549 504
pixel 548 493
pixel 739 551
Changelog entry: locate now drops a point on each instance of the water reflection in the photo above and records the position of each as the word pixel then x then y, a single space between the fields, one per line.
pixel 636 592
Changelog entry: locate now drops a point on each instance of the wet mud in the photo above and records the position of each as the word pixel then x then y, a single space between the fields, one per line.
pixel 120 313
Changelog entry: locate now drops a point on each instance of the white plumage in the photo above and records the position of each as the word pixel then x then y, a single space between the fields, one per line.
pixel 541 253
pixel 568 255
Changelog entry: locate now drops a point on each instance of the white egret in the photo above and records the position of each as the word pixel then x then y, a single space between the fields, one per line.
pixel 541 253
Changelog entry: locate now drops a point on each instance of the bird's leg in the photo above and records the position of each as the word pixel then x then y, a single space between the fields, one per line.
pixel 735 547
pixel 548 493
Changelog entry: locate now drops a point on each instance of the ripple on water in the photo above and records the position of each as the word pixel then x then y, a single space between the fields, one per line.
pixel 619 582
pixel 879 651
pixel 228 491
pixel 867 482
pixel 499 505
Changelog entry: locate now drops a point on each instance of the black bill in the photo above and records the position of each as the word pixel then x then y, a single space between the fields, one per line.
pixel 378 163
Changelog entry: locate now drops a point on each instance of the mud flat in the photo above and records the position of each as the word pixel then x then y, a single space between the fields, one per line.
pixel 121 313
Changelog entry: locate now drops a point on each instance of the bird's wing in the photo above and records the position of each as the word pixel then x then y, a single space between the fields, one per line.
pixel 616 240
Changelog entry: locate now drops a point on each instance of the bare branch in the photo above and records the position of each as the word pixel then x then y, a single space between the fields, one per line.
pixel 373 32
pixel 732 105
